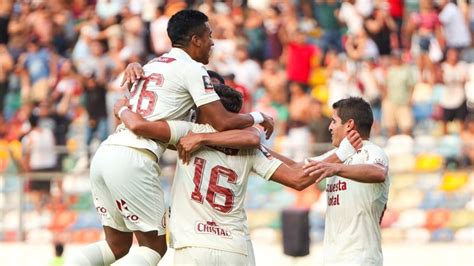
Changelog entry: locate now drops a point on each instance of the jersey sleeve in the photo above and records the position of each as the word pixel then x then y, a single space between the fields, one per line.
pixel 199 84
pixel 264 164
pixel 178 129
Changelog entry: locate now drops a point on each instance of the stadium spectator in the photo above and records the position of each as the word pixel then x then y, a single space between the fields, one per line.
pixel 247 72
pixel 39 155
pixel 396 106
pixel 38 68
pixel 425 28
pixel 454 96
pixel 455 27
pixel 6 67
pixel 380 26
pixel 326 11
pixel 96 109
pixel 301 55
pixel 467 137
pixel 318 123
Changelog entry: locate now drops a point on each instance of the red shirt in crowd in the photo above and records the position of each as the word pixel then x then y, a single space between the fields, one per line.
pixel 298 67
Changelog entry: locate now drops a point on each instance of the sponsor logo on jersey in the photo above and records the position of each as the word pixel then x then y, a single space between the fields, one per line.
pixel 212 228
pixel 207 83
pixel 162 59
pixel 102 211
pixel 123 208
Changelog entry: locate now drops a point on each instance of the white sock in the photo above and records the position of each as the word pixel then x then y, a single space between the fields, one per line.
pixel 140 256
pixel 92 255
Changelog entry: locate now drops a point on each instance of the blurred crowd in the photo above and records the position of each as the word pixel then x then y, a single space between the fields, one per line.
pixel 61 63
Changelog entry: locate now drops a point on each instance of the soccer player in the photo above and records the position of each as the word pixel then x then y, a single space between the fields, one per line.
pixel 124 171
pixel 357 190
pixel 208 223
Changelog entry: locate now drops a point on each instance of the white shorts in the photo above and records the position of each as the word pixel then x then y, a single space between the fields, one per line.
pixel 207 256
pixel 126 189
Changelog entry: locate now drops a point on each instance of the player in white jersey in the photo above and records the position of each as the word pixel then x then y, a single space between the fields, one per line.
pixel 357 190
pixel 124 171
pixel 208 223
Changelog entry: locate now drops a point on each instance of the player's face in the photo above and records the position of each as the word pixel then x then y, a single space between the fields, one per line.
pixel 206 45
pixel 338 129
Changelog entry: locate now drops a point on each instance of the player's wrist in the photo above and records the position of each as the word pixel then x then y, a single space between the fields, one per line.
pixel 345 150
pixel 120 112
pixel 257 117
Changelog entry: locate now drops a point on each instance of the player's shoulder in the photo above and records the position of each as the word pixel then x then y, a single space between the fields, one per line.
pixel 371 147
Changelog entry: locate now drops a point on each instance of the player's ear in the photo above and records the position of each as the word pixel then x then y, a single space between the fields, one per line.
pixel 350 125
pixel 196 40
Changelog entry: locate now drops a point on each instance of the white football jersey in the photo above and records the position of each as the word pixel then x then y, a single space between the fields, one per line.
pixel 174 84
pixel 352 233
pixel 207 198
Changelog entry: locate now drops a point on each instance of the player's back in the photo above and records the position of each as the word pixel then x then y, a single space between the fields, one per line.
pixel 207 208
pixel 174 83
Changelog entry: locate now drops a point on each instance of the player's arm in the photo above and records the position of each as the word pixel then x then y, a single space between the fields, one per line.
pixel 222 120
pixel 353 138
pixel 158 130
pixel 237 139
pixel 364 173
pixel 293 176
pixel 270 168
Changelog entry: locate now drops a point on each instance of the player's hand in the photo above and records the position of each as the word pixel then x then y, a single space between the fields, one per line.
pixel 321 169
pixel 187 145
pixel 268 125
pixel 132 73
pixel 355 139
pixel 118 105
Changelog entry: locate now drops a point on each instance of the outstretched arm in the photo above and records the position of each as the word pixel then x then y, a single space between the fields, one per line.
pixel 292 176
pixel 353 139
pixel 365 173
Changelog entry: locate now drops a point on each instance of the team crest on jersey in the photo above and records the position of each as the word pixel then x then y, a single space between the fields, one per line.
pixel 207 83
pixel 211 228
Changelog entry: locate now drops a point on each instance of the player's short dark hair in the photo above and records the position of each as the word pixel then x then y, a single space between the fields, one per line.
pixel 184 24
pixel 230 98
pixel 357 109
pixel 215 75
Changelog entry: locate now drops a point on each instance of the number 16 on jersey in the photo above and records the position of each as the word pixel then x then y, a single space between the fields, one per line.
pixel 213 187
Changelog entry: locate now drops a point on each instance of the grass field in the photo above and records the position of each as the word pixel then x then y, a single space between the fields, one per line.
pixel 395 254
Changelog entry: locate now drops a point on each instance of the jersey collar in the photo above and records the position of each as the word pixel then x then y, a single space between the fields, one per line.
pixel 178 52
